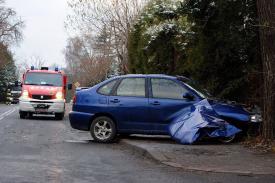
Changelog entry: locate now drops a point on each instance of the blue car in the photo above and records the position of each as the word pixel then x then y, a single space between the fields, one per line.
pixel 144 104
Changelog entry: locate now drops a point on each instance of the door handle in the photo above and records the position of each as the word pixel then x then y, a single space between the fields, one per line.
pixel 115 101
pixel 155 103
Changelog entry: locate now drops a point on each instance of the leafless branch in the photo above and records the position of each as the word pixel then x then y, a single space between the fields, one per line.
pixel 96 16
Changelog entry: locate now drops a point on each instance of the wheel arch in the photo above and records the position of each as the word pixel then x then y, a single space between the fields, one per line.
pixel 101 115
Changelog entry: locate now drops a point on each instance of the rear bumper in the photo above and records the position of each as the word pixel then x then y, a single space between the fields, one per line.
pixel 53 106
pixel 80 120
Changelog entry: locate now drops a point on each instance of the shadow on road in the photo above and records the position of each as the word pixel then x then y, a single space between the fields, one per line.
pixel 168 140
pixel 44 118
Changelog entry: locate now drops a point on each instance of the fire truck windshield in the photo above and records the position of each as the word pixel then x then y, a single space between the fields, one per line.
pixel 45 79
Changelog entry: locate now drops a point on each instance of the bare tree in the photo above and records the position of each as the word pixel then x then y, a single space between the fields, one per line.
pixel 35 61
pixel 266 12
pixel 92 17
pixel 3 52
pixel 10 25
pixel 74 56
pixel 85 66
pixel 10 32
pixel 5 56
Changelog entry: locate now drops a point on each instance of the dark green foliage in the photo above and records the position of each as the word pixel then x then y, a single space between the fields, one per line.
pixel 213 41
pixel 226 40
pixel 7 70
pixel 157 41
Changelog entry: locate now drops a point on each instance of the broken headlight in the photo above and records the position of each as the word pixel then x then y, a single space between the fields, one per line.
pixel 256 118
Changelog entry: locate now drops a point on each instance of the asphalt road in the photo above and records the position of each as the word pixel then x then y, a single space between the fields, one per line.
pixel 46 150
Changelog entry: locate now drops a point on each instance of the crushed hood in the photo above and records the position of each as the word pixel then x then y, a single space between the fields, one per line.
pixel 229 110
pixel 197 121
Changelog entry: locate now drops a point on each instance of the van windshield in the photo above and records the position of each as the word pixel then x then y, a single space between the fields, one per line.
pixel 44 79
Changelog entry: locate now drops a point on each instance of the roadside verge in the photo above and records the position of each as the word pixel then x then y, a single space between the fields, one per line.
pixel 215 158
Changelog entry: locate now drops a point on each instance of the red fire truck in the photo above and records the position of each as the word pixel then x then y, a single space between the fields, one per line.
pixel 43 92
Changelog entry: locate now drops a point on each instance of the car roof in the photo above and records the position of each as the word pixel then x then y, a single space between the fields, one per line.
pixel 146 75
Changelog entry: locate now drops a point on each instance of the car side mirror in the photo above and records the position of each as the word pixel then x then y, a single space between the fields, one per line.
pixel 70 86
pixel 188 96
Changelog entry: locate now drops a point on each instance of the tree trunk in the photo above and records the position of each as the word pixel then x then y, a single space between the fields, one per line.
pixel 266 13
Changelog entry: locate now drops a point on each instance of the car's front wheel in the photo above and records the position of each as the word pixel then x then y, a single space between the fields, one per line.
pixel 227 140
pixel 103 129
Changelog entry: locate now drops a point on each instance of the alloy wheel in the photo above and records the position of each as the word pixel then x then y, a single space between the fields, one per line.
pixel 102 130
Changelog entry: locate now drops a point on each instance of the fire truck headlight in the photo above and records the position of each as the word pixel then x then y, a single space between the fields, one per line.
pixel 59 95
pixel 25 94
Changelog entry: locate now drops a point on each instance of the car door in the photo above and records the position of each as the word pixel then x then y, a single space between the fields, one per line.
pixel 129 104
pixel 166 101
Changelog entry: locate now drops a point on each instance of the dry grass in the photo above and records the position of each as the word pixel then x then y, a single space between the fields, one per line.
pixel 260 144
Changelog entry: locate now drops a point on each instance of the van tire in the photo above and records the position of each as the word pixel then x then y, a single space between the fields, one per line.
pixel 59 116
pixel 22 115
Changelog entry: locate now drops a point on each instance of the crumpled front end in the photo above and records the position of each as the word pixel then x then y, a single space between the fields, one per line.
pixel 200 120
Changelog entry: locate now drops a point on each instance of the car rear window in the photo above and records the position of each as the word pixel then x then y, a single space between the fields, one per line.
pixel 107 88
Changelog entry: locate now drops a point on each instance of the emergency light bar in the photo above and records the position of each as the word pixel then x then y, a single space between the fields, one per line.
pixel 45 68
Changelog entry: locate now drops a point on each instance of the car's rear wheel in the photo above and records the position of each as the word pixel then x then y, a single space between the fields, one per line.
pixel 103 129
pixel 227 140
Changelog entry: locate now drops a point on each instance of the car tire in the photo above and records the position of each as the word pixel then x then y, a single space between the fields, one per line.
pixel 59 116
pixel 22 115
pixel 227 140
pixel 103 129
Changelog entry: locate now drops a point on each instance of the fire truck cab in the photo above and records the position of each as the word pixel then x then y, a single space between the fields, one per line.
pixel 43 92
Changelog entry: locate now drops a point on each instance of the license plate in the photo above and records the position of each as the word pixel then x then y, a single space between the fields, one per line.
pixel 41 106
pixel 41 110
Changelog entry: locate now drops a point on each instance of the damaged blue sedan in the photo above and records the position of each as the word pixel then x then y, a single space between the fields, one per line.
pixel 160 105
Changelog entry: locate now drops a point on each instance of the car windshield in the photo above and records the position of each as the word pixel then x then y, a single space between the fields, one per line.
pixel 46 79
pixel 197 88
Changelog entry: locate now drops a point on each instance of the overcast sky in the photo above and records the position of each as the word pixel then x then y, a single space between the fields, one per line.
pixel 44 33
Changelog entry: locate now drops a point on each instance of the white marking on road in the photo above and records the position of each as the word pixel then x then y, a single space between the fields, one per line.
pixel 10 112
pixel 78 141
pixel 7 113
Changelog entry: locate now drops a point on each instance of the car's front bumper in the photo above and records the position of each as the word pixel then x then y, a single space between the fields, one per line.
pixel 51 106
